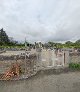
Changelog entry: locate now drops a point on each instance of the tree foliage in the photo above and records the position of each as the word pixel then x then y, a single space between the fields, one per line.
pixel 4 39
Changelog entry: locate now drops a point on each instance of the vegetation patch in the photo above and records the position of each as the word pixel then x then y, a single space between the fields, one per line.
pixel 74 66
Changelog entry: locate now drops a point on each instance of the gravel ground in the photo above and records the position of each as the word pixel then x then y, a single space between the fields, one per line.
pixel 65 82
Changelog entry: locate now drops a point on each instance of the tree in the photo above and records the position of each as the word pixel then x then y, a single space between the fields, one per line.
pixel 77 44
pixel 68 42
pixel 51 44
pixel 3 37
pixel 78 41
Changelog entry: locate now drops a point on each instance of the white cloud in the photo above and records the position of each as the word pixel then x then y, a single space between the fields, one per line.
pixel 45 20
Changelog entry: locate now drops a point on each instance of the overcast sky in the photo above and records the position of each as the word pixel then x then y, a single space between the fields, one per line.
pixel 41 20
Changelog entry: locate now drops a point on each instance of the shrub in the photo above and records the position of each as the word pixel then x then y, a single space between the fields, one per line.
pixel 74 65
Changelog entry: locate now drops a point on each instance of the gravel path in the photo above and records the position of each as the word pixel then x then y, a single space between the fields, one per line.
pixel 66 82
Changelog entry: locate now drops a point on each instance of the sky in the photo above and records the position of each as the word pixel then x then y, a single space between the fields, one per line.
pixel 41 20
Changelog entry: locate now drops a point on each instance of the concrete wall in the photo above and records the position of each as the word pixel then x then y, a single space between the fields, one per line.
pixel 49 58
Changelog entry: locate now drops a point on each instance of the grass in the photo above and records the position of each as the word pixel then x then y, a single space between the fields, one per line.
pixel 74 66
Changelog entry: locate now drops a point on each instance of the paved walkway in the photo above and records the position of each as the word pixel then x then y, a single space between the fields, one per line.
pixel 68 82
